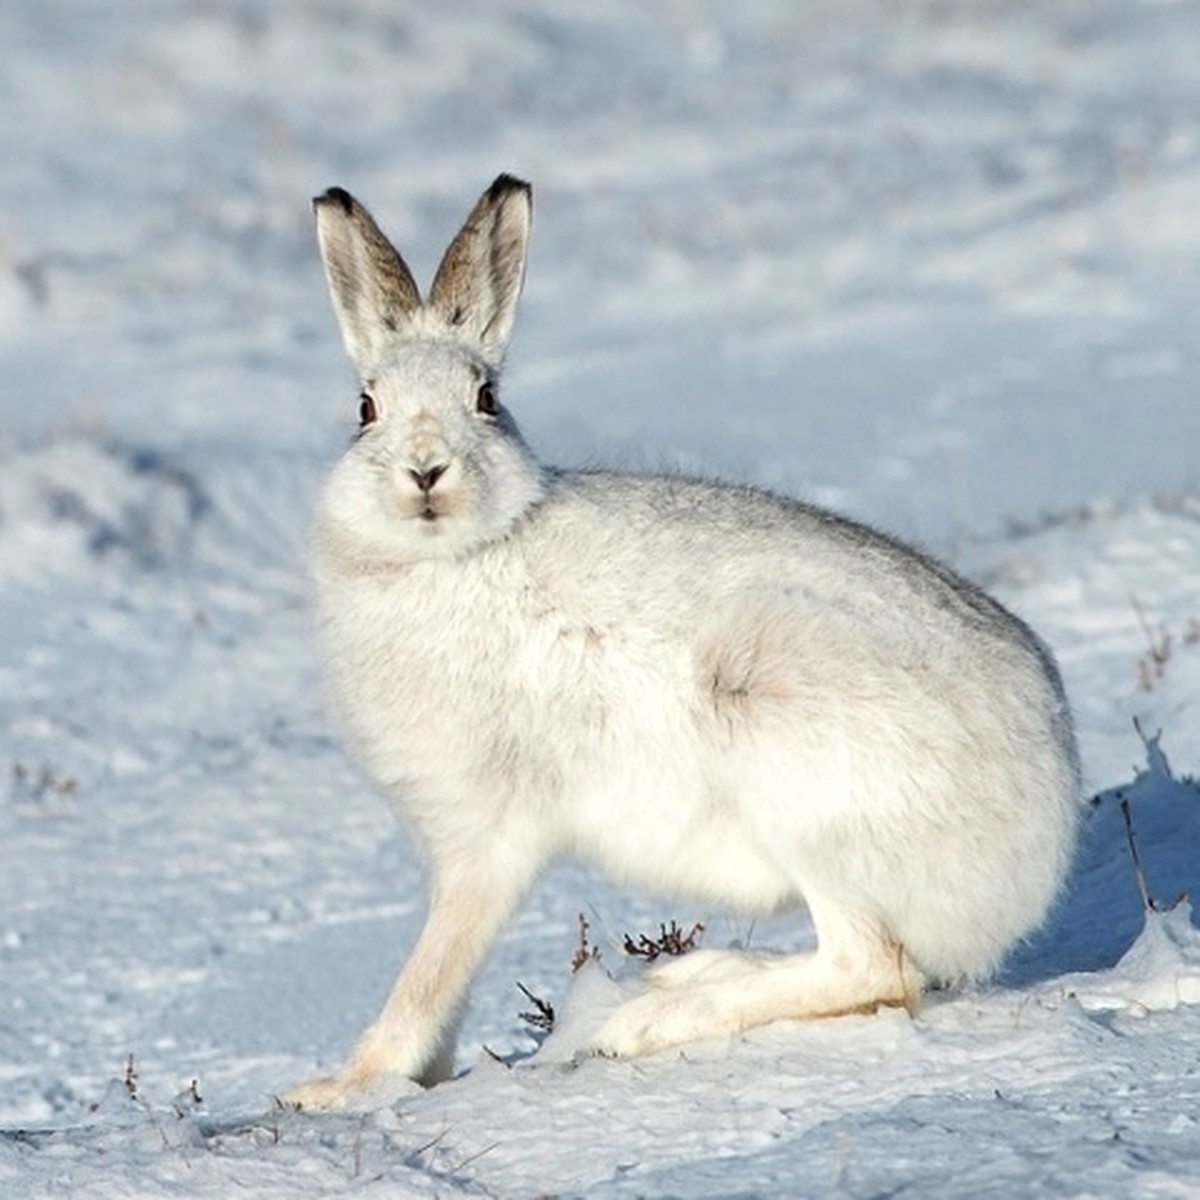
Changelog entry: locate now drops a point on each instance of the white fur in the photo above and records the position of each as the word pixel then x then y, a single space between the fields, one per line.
pixel 707 690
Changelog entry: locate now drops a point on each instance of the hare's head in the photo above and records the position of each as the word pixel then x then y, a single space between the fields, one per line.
pixel 438 468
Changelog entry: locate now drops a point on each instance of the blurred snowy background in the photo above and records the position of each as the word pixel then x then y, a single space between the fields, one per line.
pixel 935 264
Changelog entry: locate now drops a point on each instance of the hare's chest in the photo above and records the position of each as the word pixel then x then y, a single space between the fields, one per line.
pixel 395 670
pixel 436 687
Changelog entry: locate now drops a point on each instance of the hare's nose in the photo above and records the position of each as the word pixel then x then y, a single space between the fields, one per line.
pixel 426 479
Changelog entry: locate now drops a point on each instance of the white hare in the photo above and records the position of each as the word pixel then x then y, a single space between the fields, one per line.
pixel 706 689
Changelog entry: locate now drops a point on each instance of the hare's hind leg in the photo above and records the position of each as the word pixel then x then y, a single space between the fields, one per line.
pixel 706 966
pixel 856 968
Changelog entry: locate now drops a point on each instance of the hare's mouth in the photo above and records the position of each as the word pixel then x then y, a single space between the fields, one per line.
pixel 422 509
pixel 429 510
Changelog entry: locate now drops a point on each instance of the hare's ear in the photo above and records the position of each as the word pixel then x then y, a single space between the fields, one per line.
pixel 479 280
pixel 372 289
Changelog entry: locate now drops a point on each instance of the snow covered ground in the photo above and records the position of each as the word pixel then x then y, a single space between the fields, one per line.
pixel 934 264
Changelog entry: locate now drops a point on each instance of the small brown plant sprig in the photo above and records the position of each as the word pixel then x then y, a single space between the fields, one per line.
pixel 1149 904
pixel 542 1015
pixel 188 1100
pixel 1160 642
pixel 44 784
pixel 585 952
pixel 671 941
pixel 1157 765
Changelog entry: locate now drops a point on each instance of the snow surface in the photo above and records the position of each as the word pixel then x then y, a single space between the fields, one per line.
pixel 934 264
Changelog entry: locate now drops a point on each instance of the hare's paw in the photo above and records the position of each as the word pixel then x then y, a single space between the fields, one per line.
pixel 347 1090
pixel 329 1093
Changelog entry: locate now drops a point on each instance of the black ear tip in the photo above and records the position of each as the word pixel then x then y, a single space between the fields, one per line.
pixel 335 195
pixel 504 184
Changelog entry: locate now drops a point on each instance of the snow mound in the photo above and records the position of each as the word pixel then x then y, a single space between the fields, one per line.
pixel 1104 916
pixel 1160 971
pixel 1160 814
pixel 91 508
pixel 67 503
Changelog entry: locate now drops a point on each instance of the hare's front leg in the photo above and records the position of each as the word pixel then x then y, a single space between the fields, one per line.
pixel 413 1037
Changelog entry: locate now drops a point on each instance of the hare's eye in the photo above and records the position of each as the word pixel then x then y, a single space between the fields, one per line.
pixel 368 411
pixel 485 400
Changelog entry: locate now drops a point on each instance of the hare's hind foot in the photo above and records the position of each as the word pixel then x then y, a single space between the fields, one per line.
pixel 711 994
pixel 788 991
